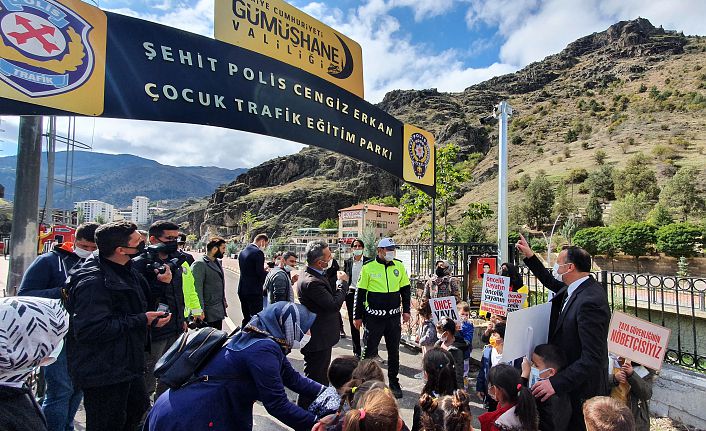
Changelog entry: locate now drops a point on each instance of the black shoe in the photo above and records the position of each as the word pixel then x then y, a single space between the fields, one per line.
pixel 396 390
pixel 343 335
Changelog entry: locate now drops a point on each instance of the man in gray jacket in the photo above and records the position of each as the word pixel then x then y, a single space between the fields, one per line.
pixel 209 283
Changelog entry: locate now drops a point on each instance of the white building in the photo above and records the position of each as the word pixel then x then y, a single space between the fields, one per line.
pixel 93 209
pixel 140 210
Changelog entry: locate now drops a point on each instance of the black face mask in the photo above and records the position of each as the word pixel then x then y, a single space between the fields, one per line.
pixel 169 247
pixel 440 272
pixel 138 250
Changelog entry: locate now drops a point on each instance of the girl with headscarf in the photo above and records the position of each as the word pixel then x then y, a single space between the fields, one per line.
pixel 31 335
pixel 252 366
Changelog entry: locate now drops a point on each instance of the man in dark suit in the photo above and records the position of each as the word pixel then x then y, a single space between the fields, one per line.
pixel 579 326
pixel 352 268
pixel 318 295
pixel 252 277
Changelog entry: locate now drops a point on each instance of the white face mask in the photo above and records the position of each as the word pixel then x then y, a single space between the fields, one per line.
pixel 288 268
pixel 357 252
pixel 330 264
pixel 535 374
pixel 389 256
pixel 83 254
pixel 555 273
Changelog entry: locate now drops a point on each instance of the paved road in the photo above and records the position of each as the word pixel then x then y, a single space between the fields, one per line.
pixel 410 364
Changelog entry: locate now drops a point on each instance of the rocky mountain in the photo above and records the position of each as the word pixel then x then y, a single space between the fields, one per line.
pixel 632 88
pixel 117 178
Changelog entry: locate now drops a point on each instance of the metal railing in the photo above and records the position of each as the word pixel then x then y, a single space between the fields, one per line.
pixel 677 303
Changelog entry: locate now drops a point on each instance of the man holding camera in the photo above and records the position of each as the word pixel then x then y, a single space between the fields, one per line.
pixel 161 266
pixel 107 301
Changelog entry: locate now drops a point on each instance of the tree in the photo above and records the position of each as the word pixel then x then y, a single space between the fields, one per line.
pixel 470 228
pixel 370 240
pixel 100 219
pixel 568 229
pixel 678 239
pixel 600 156
pixel 248 221
pixel 635 239
pixel 329 223
pixel 659 216
pixel 594 212
pixel 539 200
pixel 588 239
pixel 636 178
pixel 563 203
pixel 600 182
pixel 631 208
pixel 684 193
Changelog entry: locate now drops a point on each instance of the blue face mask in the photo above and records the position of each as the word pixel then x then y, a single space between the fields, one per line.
pixel 535 374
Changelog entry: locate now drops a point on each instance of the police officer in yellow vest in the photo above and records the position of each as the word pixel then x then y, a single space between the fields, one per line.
pixel 383 286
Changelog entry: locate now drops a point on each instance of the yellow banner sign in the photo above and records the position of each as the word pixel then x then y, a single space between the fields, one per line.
pixel 418 159
pixel 52 53
pixel 280 31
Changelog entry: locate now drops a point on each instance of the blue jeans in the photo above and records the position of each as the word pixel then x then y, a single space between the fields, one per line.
pixel 62 399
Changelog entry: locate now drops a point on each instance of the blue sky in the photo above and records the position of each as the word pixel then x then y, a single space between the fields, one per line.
pixel 407 44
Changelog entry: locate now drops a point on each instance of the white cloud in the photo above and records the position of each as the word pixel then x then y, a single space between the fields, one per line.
pixel 391 60
pixel 534 29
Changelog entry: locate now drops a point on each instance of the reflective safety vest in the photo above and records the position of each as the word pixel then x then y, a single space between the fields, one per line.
pixel 381 288
pixel 191 298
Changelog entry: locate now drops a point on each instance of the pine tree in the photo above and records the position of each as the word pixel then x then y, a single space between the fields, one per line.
pixel 594 212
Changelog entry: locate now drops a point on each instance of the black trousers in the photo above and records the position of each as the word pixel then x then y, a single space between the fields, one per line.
pixel 250 305
pixel 391 329
pixel 316 368
pixel 355 333
pixel 218 324
pixel 117 407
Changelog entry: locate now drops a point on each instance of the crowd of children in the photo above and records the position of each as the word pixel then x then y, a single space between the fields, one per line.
pixel 359 400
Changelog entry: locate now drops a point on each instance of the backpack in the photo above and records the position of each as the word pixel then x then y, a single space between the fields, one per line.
pixel 179 365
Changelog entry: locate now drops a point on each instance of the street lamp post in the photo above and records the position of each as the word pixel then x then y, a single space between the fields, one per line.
pixel 502 111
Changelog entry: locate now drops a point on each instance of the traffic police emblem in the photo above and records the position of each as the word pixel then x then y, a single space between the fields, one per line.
pixel 396 272
pixel 419 153
pixel 44 47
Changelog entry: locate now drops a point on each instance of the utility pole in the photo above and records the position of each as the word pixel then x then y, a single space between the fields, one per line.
pixel 502 111
pixel 25 228
pixel 51 157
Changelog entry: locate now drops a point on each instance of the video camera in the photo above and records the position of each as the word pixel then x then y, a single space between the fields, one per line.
pixel 151 254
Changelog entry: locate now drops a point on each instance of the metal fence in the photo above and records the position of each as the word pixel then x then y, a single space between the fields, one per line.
pixel 677 303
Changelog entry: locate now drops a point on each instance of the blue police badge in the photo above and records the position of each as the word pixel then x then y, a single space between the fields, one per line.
pixel 419 153
pixel 44 47
pixel 396 272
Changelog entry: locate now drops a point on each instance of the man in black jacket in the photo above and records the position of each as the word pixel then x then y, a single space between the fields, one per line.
pixel 45 278
pixel 165 289
pixel 109 323
pixel 578 324
pixel 318 295
pixel 251 262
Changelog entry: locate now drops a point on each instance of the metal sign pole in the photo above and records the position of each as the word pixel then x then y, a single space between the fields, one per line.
pixel 503 112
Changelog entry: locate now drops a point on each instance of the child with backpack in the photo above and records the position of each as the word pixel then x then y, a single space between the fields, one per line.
pixel 451 340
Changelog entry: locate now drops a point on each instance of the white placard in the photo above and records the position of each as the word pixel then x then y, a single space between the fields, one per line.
pixel 443 307
pixel 638 340
pixel 526 328
pixel 495 293
pixel 406 257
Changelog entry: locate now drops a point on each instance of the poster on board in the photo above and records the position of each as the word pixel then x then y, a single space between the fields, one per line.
pixel 494 296
pixel 444 307
pixel 485 265
pixel 638 340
